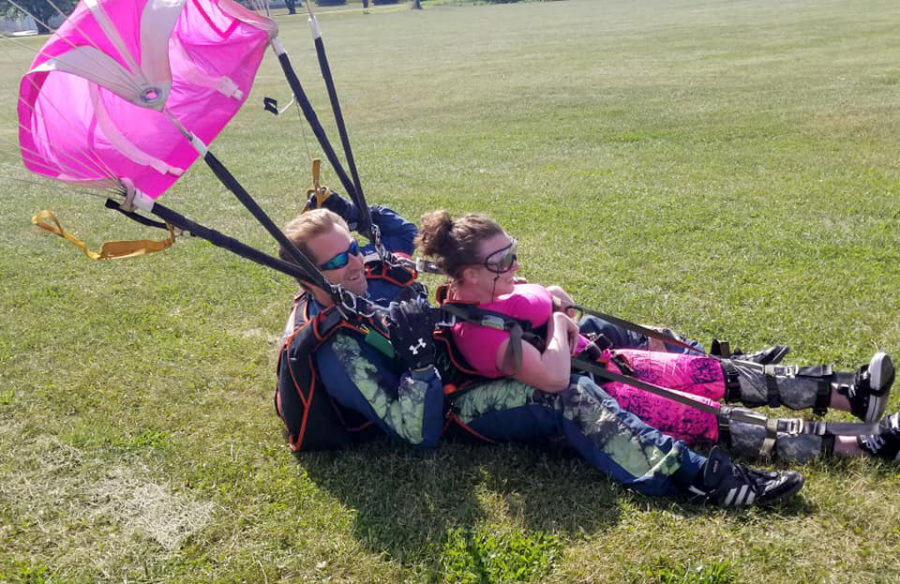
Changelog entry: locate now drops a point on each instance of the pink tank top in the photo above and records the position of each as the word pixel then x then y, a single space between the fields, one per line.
pixel 480 345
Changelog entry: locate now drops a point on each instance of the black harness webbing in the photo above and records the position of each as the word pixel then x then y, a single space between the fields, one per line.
pixel 646 331
pixel 219 239
pixel 518 330
pixel 227 179
pixel 604 373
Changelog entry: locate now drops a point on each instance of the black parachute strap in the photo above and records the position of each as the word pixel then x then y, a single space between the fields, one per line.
pixel 311 270
pixel 791 426
pixel 310 114
pixel 225 242
pixel 649 332
pixel 116 206
pixel 365 225
pixel 602 372
pixel 313 274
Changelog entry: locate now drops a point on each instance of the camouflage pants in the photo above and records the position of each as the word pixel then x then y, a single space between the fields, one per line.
pixel 609 438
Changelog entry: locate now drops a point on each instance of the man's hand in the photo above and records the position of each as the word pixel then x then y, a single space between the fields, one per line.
pixel 410 326
pixel 335 203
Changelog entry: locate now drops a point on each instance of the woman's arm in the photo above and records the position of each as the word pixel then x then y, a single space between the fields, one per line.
pixel 548 371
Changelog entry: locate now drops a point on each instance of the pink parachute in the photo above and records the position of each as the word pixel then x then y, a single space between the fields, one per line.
pixel 117 90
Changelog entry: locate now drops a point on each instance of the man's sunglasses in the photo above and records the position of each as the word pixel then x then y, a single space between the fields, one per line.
pixel 341 259
pixel 502 260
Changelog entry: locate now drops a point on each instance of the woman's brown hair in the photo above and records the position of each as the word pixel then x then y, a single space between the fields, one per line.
pixel 454 244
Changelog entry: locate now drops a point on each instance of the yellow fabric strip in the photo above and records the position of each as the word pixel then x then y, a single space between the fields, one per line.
pixel 111 250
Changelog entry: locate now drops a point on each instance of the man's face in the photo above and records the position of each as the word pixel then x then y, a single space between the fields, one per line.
pixel 327 247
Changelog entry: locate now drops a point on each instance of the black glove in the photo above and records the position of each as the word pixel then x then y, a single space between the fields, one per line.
pixel 337 204
pixel 410 325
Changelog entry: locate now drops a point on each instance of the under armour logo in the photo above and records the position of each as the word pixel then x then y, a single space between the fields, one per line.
pixel 414 349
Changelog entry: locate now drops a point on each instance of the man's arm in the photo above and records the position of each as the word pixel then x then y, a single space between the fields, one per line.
pixel 397 233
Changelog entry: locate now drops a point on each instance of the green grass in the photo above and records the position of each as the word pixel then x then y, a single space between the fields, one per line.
pixel 723 167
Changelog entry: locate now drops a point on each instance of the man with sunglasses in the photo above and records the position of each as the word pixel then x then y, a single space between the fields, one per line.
pixel 347 365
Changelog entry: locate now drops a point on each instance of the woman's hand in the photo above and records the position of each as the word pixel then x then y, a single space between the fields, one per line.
pixel 563 323
pixel 562 302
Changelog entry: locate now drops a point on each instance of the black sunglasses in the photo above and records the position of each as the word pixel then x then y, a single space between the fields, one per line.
pixel 341 259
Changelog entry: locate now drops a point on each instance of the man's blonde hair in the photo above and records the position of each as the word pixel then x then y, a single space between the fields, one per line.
pixel 306 226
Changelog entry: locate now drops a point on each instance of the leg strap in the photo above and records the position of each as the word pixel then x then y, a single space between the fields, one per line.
pixel 796 426
pixel 823 374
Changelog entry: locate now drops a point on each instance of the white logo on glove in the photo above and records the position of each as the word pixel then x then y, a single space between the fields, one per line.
pixel 414 349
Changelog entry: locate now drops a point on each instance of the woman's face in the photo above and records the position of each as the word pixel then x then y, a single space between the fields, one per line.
pixel 494 270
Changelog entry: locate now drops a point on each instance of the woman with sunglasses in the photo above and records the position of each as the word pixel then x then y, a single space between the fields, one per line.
pixel 481 262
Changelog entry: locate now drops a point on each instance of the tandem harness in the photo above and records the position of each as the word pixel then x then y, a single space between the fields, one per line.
pixel 313 419
pixel 589 362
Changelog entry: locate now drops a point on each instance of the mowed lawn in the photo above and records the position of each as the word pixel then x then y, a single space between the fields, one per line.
pixel 725 168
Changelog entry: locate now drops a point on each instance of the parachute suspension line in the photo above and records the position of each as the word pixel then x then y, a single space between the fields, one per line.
pixel 36 154
pixel 299 110
pixel 41 183
pixel 364 225
pixel 111 32
pixel 105 67
pixel 310 115
pixel 101 166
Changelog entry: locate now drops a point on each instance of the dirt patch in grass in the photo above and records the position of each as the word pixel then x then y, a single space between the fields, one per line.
pixel 70 499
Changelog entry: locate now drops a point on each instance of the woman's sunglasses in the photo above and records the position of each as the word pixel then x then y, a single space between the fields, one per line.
pixel 341 259
pixel 502 260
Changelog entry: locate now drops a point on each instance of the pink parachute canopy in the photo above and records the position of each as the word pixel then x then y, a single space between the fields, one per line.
pixel 105 96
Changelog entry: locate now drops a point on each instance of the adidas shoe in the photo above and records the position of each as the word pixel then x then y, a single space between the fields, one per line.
pixel 886 443
pixel 727 484
pixel 868 395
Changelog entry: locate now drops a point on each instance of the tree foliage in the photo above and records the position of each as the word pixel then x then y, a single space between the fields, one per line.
pixel 41 10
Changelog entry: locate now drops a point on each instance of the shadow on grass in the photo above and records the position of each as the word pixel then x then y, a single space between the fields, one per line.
pixel 407 501
pixel 410 504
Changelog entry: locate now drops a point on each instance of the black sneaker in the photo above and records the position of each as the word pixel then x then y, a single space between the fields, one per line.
pixel 727 484
pixel 869 393
pixel 886 443
pixel 770 356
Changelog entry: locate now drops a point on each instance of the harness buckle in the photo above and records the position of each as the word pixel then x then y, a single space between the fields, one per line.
pixel 355 304
pixel 792 426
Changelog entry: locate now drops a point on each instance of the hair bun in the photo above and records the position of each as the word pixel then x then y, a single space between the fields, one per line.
pixel 435 233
